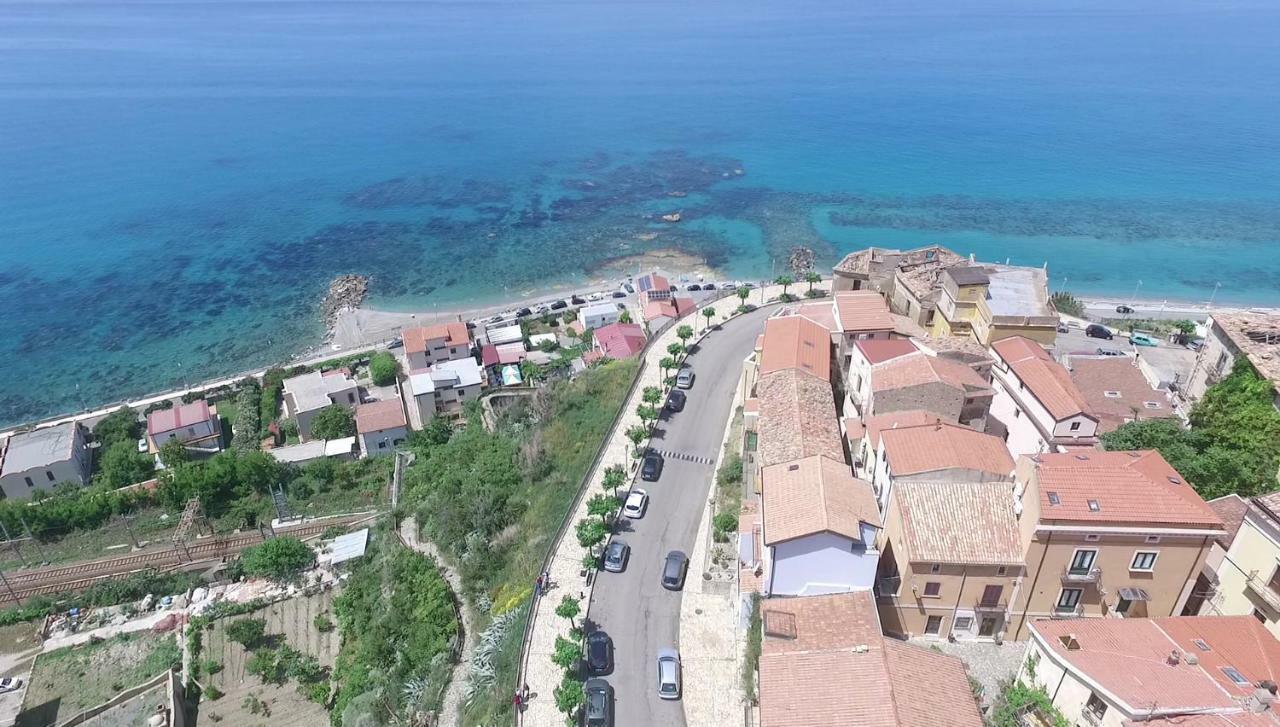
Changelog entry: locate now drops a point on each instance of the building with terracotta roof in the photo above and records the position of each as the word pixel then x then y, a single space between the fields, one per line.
pixel 824 662
pixel 653 287
pixel 1037 407
pixel 797 419
pixel 196 425
pixel 1108 534
pixel 889 376
pixel 819 528
pixel 1116 391
pixel 38 460
pixel 951 559
pixel 443 389
pixel 1196 671
pixel 658 313
pixel 961 350
pixel 381 426
pixel 619 340
pixel 936 451
pixel 440 342
pixel 1252 335
pixel 1245 580
pixel 862 315
pixel 306 394
pixel 795 342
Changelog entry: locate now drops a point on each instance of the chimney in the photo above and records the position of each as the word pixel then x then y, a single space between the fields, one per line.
pixel 1261 699
pixel 1175 657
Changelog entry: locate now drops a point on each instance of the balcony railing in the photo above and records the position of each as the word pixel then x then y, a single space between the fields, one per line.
pixel 1059 612
pixel 985 605
pixel 1263 590
pixel 888 586
pixel 1081 575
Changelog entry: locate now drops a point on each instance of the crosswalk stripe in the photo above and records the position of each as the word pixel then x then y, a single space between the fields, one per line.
pixel 699 459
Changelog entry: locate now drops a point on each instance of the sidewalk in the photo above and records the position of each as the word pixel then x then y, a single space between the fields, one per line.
pixel 714 632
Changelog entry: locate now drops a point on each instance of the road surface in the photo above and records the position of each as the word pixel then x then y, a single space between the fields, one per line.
pixel 633 607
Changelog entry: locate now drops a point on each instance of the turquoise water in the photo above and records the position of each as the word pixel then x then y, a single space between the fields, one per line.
pixel 180 180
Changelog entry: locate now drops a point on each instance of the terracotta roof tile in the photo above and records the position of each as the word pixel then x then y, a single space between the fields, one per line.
pixel 970 522
pixel 894 420
pixel 184 415
pixel 1128 487
pixel 879 350
pixel 862 310
pixel 454 334
pixel 821 312
pixel 1045 378
pixel 824 662
pixel 797 418
pixel 1130 659
pixel 793 342
pixel 940 446
pixel 815 495
pixel 921 368
pixel 1117 391
pixel 1231 508
pixel 620 340
pixel 379 415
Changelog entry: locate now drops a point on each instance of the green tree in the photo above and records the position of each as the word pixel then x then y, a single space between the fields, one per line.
pixel 625 317
pixel 785 281
pixel 1067 303
pixel 567 654
pixel 333 422
pixel 666 364
pixel 383 368
pixel 570 696
pixel 121 425
pixel 279 558
pixel 122 464
pixel 174 453
pixel 648 414
pixel 602 506
pixel 1185 330
pixel 614 477
pixel 742 293
pixel 590 533
pixel 248 632
pixel 811 278
pixel 651 395
pixel 590 561
pixel 569 608
pixel 637 434
pixel 684 333
pixel 569 316
pixel 709 312
pixel 675 349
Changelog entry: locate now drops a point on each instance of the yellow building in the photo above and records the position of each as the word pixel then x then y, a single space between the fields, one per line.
pixel 1248 576
pixel 991 302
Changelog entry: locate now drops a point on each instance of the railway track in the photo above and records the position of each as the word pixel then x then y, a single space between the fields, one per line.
pixel 76 577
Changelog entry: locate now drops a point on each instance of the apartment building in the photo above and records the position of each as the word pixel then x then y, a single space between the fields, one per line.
pixel 441 342
pixel 950 562
pixel 1107 534
pixel 1244 578
pixel 1189 671
pixel 39 460
pixel 195 425
pixel 825 662
pixel 1037 407
pixel 381 426
pixel 1254 336
pixel 1116 391
pixel 894 375
pixel 935 451
pixel 305 395
pixel 444 389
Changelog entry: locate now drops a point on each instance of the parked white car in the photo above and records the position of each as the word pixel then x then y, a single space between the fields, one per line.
pixel 637 503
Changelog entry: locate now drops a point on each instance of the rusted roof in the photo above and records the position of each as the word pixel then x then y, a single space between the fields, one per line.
pixel 454 334
pixel 942 446
pixel 1257 335
pixel 1231 508
pixel 793 342
pixel 379 415
pixel 1045 378
pixel 797 418
pixel 1127 487
pixel 815 495
pixel 972 523
pixel 862 311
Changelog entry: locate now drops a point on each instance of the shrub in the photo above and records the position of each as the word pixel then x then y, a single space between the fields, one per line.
pixel 278 558
pixel 248 632
pixel 247 427
pixel 333 422
pixel 323 623
pixel 211 692
pixel 383 368
pixel 121 425
pixel 726 522
pixel 1067 303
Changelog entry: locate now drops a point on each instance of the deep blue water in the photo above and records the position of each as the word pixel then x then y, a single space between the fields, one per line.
pixel 180 180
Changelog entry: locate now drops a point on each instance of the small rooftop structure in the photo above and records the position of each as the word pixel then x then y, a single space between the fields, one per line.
pixel 185 415
pixel 968 275
pixel 511 375
pixel 311 391
pixel 504 334
pixel 380 415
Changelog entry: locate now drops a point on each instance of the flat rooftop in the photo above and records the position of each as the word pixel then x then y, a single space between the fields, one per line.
pixel 40 448
pixel 311 391
pixel 1018 292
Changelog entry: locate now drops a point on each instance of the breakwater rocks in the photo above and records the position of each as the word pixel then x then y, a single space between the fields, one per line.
pixel 345 292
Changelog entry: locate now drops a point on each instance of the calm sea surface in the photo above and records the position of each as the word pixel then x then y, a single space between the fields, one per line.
pixel 180 180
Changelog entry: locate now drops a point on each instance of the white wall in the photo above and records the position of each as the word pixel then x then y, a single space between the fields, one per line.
pixel 822 563
pixel 597 320
pixel 376 444
pixel 1067 691
pixel 1024 437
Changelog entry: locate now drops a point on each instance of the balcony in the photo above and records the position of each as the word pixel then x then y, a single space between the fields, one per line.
pixel 984 605
pixel 1081 575
pixel 1063 613
pixel 1262 590
pixel 888 586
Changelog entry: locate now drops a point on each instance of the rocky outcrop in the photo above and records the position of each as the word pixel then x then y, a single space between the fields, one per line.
pixel 346 292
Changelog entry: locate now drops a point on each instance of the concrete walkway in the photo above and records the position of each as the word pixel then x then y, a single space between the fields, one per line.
pixel 451 709
pixel 541 675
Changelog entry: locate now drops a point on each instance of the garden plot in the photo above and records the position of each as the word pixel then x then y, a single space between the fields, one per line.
pixel 245 699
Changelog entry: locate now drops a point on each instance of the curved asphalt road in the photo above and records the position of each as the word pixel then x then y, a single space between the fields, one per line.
pixel 633 607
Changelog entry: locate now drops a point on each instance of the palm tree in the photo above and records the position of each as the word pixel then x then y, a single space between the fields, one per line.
pixel 709 312
pixel 614 477
pixel 684 333
pixel 602 506
pixel 651 395
pixel 811 278
pixel 666 364
pixel 743 292
pixel 675 349
pixel 784 281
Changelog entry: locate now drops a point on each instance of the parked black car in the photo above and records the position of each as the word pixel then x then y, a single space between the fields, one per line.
pixel 524 312
pixel 693 286
pixel 559 304
pixel 599 653
pixel 651 470
pixel 577 300
pixel 1098 331
pixel 619 294
pixel 676 400
pixel 1124 309
pixel 598 711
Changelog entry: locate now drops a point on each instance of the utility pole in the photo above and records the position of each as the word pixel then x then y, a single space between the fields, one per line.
pixel 34 541
pixel 132 538
pixel 13 543
pixel 9 588
pixel 1214 294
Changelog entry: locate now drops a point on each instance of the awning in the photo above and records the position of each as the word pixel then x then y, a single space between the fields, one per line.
pixel 1134 594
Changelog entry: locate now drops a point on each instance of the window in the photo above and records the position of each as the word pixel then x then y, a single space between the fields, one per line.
pixel 1002 571
pixel 933 625
pixel 49 474
pixel 963 623
pixel 1016 412
pixel 1082 561
pixel 1095 708
pixel 991 595
pixel 932 589
pixel 1143 561
pixel 1069 599
pixel 1153 538
pixel 1094 506
pixel 935 568
pixel 351 398
pixel 1259 615
pixel 1111 394
pixel 1054 499
pixel 1201 644
pixel 382 445
pixel 1235 676
pixel 1151 404
pixel 29 482
pixel 1075 426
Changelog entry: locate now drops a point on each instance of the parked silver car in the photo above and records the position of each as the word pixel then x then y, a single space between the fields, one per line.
pixel 668 674
pixel 684 379
pixel 615 556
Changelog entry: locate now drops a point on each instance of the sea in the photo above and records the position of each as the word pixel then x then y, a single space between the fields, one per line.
pixel 180 180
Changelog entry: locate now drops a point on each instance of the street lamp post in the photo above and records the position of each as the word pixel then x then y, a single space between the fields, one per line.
pixel 1214 294
pixel 1134 299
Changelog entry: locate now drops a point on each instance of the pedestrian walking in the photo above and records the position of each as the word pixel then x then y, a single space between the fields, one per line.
pixel 518 701
pixel 537 586
pixel 546 580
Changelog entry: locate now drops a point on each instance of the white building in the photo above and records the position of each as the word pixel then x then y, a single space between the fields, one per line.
pixel 381 427
pixel 819 529
pixel 441 342
pixel 600 314
pixel 307 394
pixel 444 389
pixel 344 448
pixel 1037 406
pixel 41 459
pixel 195 425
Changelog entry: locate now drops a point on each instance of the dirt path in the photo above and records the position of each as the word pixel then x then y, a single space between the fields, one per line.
pixel 451 709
